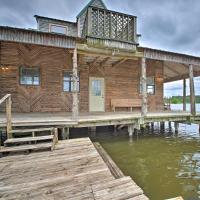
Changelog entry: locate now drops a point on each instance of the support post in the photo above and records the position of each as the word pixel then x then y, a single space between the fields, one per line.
pixel 162 126
pixel 75 107
pixel 9 117
pixel 170 125
pixel 144 87
pixel 184 94
pixel 130 130
pixel 192 91
pixel 65 133
pixel 152 126
pixel 176 126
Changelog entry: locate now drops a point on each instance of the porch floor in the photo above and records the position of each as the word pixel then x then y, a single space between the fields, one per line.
pixel 91 119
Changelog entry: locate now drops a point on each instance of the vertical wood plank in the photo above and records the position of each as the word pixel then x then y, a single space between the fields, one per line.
pixel 184 94
pixel 9 116
pixel 89 22
pixel 192 91
pixel 75 106
pixel 144 87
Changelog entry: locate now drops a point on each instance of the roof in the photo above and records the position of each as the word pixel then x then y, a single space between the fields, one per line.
pixel 33 36
pixel 48 18
pixel 88 5
pixel 175 65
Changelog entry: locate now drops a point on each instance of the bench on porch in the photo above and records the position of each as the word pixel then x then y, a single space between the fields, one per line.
pixel 126 103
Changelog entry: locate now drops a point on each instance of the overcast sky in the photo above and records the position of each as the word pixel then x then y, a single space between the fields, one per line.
pixel 172 25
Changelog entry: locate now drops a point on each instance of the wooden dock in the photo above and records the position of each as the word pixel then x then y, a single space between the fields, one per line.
pixel 74 170
pixel 61 119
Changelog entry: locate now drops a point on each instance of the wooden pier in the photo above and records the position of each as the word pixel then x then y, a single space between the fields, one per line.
pixel 74 170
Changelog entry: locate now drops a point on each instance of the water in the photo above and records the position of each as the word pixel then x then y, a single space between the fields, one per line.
pixel 164 165
pixel 180 107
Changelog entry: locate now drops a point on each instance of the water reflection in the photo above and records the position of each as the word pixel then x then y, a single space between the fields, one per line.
pixel 163 163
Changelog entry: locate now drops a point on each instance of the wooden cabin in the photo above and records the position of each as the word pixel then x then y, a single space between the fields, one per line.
pixel 92 65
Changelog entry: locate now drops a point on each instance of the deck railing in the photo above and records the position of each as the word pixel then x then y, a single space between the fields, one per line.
pixel 8 101
pixel 106 24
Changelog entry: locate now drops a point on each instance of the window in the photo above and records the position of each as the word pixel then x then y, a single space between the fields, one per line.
pixel 68 82
pixel 150 85
pixel 29 76
pixel 58 29
pixel 96 87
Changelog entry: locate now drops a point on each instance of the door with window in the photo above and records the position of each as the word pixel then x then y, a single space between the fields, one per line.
pixel 96 95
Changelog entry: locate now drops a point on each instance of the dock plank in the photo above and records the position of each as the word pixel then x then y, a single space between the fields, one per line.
pixel 74 170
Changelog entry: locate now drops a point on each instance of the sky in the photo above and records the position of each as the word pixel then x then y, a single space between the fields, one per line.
pixel 172 25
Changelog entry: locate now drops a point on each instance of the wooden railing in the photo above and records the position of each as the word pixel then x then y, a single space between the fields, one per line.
pixel 8 101
pixel 111 25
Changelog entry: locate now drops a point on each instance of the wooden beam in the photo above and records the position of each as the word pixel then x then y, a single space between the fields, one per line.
pixel 94 61
pixel 192 91
pixel 176 78
pixel 85 49
pixel 156 54
pixel 105 61
pixel 184 94
pixel 172 70
pixel 144 87
pixel 119 62
pixel 75 106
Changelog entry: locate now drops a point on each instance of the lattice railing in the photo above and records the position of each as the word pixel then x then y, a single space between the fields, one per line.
pixel 108 24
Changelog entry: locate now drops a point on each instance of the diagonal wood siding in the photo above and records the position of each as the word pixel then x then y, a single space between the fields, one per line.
pixel 120 82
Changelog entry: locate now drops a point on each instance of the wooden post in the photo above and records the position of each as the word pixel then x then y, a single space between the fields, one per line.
pixel 9 116
pixel 130 130
pixel 192 91
pixel 176 126
pixel 65 133
pixel 184 94
pixel 162 126
pixel 144 87
pixel 75 107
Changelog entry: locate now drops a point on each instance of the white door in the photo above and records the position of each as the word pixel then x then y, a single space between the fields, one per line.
pixel 96 95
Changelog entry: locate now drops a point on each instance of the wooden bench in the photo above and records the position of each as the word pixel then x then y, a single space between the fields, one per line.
pixel 126 103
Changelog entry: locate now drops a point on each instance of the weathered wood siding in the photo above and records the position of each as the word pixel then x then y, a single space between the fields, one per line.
pixel 120 82
pixel 44 25
pixel 36 37
pixel 82 17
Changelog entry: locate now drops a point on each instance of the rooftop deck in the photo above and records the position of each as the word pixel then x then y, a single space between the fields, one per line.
pixel 92 119
pixel 74 170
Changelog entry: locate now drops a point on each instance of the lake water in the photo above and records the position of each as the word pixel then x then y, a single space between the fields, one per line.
pixel 164 164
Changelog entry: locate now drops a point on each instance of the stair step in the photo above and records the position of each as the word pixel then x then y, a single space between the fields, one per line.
pixel 40 146
pixel 28 139
pixel 31 130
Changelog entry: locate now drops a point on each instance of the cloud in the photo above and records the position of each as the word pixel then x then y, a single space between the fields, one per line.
pixel 168 25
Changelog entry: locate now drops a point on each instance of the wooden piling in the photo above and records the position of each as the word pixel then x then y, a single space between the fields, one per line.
pixel 192 91
pixel 65 133
pixel 176 126
pixel 184 94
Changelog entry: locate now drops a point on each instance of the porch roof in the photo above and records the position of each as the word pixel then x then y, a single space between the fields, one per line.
pixel 176 65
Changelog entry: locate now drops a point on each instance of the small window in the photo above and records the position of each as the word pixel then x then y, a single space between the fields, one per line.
pixel 58 29
pixel 29 76
pixel 68 82
pixel 150 85
pixel 96 87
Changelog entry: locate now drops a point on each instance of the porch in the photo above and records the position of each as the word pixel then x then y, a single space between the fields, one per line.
pixel 63 119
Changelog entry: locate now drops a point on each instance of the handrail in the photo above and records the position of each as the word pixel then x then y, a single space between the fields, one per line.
pixel 7 99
